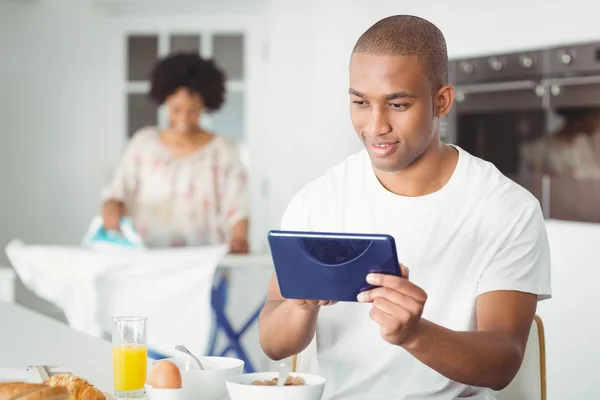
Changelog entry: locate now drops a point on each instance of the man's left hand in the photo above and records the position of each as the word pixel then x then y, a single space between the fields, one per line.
pixel 397 306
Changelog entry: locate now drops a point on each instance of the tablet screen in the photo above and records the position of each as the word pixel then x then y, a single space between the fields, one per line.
pixel 330 266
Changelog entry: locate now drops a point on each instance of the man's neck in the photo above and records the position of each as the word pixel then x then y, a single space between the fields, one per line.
pixel 428 174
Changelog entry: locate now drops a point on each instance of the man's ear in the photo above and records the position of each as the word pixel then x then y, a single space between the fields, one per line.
pixel 443 100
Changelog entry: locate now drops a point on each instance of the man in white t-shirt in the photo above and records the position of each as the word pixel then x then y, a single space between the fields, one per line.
pixel 474 241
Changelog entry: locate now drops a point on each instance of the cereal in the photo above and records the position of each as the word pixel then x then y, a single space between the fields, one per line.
pixel 296 381
pixel 290 381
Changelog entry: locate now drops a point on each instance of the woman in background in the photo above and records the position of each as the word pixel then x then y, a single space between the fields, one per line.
pixel 570 151
pixel 569 158
pixel 184 185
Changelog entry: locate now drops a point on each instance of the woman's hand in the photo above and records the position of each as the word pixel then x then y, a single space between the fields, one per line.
pixel 239 246
pixel 239 238
pixel 112 211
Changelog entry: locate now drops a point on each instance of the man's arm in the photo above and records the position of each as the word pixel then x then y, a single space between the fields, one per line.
pixel 505 308
pixel 489 357
pixel 286 327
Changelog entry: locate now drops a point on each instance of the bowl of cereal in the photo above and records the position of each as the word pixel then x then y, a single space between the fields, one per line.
pixel 209 383
pixel 263 386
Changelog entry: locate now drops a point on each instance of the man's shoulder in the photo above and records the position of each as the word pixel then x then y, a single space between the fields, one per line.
pixel 338 178
pixel 494 191
pixel 317 199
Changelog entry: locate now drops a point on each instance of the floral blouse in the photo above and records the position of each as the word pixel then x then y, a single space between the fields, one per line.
pixel 191 200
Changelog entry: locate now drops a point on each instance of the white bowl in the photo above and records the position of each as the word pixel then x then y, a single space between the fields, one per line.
pixel 163 394
pixel 241 388
pixel 208 384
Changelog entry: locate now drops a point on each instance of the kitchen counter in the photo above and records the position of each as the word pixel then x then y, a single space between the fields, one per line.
pixel 28 338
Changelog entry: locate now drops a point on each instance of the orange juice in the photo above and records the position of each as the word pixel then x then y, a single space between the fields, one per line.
pixel 129 367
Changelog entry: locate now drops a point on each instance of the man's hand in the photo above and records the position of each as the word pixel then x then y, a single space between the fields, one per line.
pixel 311 304
pixel 397 306
pixel 287 326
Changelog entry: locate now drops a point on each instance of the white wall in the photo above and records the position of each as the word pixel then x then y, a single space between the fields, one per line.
pixel 295 141
pixel 49 58
pixel 570 317
pixel 48 100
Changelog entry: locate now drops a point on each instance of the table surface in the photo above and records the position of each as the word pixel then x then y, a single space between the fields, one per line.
pixel 257 260
pixel 28 338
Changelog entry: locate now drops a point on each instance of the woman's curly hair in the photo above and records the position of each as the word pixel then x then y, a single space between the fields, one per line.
pixel 190 71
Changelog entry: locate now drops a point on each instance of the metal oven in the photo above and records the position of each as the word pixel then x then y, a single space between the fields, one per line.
pixel 532 114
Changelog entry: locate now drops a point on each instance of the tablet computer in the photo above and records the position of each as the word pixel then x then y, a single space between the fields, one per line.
pixel 330 266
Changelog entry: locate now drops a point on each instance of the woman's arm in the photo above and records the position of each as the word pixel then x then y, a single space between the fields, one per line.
pixel 235 203
pixel 121 189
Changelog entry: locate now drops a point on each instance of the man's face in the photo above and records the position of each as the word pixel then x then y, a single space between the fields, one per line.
pixel 393 109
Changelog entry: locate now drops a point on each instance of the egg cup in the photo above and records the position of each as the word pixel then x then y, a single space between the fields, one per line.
pixel 163 394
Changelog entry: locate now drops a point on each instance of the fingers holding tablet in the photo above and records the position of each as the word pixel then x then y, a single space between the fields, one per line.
pixel 310 304
pixel 330 266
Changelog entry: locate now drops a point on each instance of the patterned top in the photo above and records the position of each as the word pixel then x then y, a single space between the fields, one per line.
pixel 191 200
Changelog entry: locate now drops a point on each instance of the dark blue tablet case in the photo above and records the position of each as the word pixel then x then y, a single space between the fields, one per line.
pixel 329 266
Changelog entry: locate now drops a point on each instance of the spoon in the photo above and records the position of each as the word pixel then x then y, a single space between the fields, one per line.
pixel 185 350
pixel 283 373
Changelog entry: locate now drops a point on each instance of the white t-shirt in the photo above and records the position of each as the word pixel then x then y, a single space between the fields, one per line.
pixel 481 232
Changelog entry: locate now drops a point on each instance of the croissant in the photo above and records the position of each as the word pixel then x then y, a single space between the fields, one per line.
pixel 79 388
pixel 32 391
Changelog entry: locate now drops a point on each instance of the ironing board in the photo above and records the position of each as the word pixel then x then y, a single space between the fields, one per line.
pixel 220 295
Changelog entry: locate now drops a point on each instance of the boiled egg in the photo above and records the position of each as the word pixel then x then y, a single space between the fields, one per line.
pixel 165 375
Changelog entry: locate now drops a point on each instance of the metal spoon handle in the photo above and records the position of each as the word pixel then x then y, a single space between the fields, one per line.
pixel 184 349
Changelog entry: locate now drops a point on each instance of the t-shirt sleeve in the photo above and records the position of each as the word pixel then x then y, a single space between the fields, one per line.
pixel 522 262
pixel 295 217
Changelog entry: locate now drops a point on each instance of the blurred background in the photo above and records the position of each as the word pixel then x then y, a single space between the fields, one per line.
pixel 74 78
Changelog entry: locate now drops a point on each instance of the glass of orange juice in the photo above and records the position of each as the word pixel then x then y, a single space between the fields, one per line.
pixel 130 355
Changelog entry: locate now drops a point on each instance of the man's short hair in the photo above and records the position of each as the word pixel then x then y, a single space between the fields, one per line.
pixel 407 35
